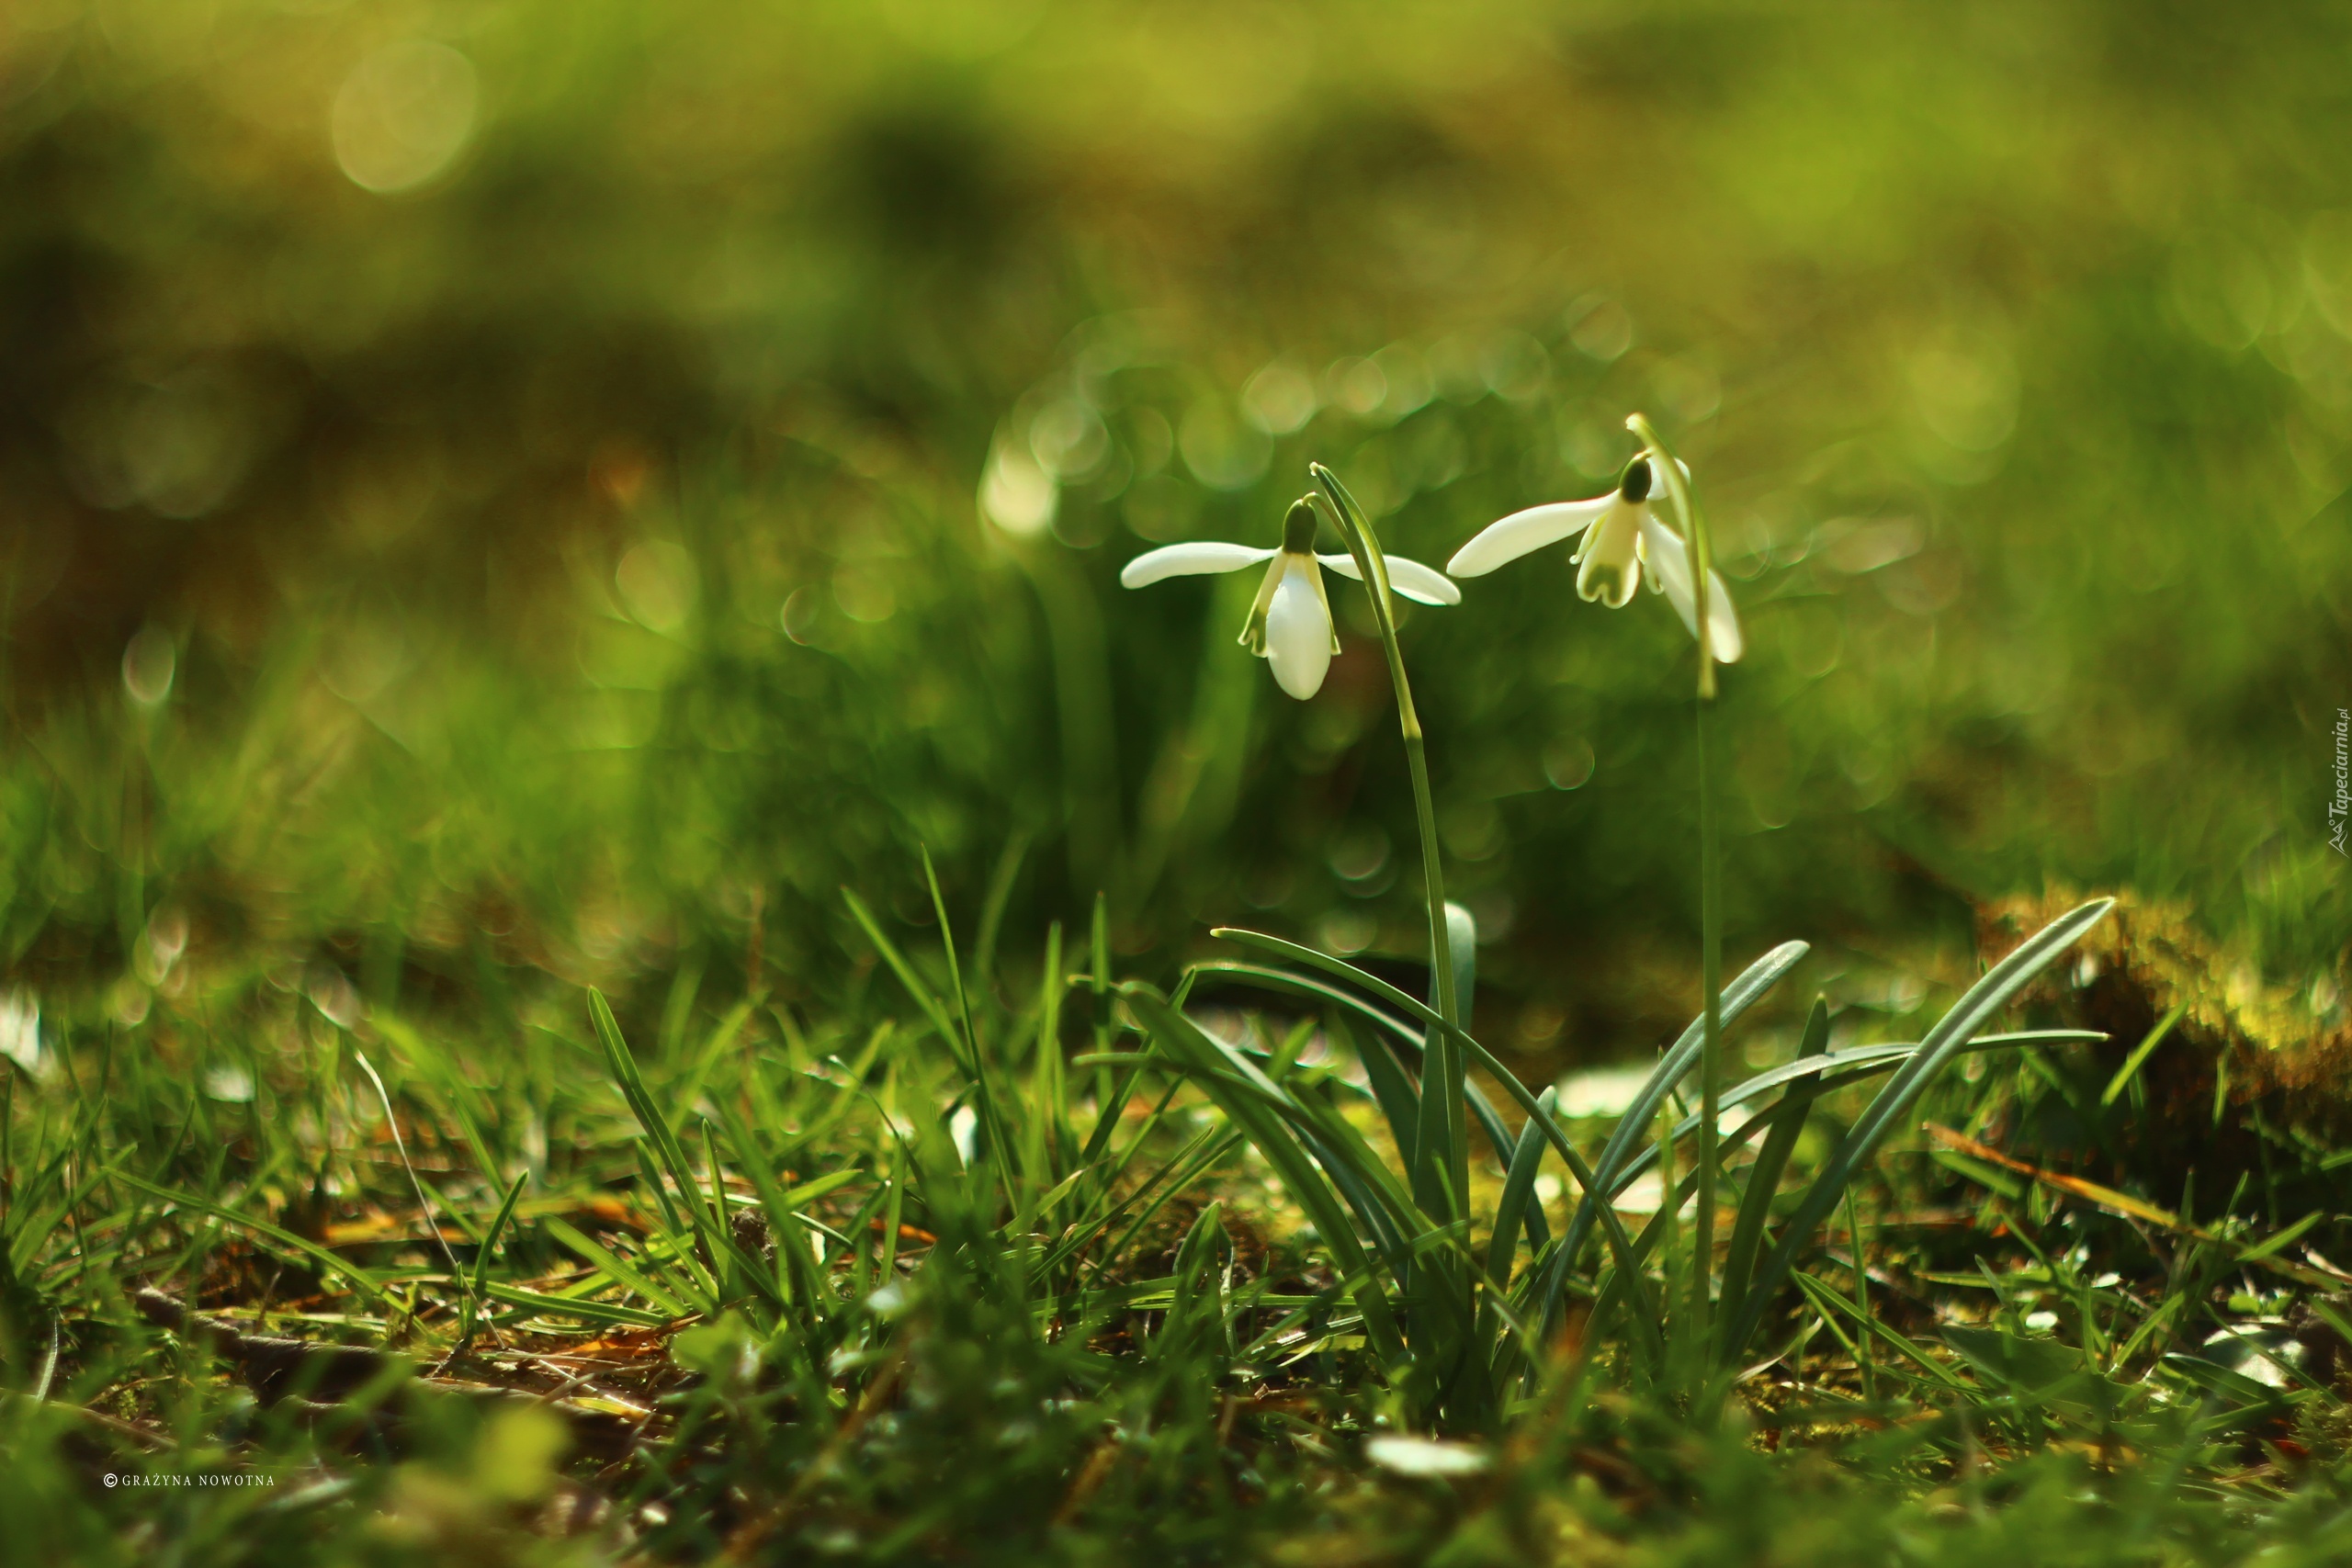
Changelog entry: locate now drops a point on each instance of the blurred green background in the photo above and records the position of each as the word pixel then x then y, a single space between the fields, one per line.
pixel 504 490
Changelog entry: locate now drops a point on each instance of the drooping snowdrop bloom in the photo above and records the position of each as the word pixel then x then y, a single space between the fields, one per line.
pixel 1290 625
pixel 1621 536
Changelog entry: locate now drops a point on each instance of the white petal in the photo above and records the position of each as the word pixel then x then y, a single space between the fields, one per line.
pixel 1520 532
pixel 1670 561
pixel 1186 560
pixel 1299 634
pixel 1723 621
pixel 1421 584
pixel 1671 566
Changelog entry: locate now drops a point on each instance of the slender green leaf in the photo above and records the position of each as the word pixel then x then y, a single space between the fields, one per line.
pixel 497 1229
pixel 1000 1150
pixel 609 1263
pixel 581 1311
pixel 921 994
pixel 367 1283
pixel 1764 1176
pixel 2140 1054
pixel 1259 1120
pixel 1991 993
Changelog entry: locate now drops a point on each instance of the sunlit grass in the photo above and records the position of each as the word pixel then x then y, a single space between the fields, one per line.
pixel 504 521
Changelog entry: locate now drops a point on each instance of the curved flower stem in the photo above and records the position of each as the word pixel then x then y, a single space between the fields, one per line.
pixel 1349 519
pixel 1711 1065
pixel 1701 539
pixel 1711 932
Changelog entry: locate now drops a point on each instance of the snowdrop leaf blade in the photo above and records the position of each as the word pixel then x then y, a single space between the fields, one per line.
pixel 1522 532
pixel 1518 1187
pixel 1186 1043
pixel 1948 1038
pixel 1411 1007
pixel 1757 978
pixel 1764 1177
pixel 1189 559
pixel 1838 1070
pixel 1634 1127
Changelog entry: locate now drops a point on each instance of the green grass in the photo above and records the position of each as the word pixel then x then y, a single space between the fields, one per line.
pixel 636 957
pixel 890 1284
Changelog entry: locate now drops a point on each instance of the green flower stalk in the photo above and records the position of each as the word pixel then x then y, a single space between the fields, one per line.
pixel 1708 598
pixel 1624 538
pixel 1442 1176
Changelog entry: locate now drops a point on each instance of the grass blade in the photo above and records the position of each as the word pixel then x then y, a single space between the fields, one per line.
pixel 1518 1187
pixel 919 993
pixel 622 1064
pixel 366 1284
pixel 609 1263
pixel 1398 1099
pixel 1000 1150
pixel 542 1305
pixel 497 1229
pixel 2140 1054
pixel 1255 1112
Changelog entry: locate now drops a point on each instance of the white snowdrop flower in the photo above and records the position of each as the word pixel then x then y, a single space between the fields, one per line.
pixel 1622 536
pixel 231 1083
pixel 20 1031
pixel 1408 1455
pixel 1290 625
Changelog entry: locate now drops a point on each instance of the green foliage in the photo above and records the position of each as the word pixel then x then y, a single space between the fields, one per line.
pixel 507 515
pixel 859 1334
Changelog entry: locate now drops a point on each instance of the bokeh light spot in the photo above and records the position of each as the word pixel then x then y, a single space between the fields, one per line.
pixel 1568 761
pixel 1280 399
pixel 1966 383
pixel 1222 452
pixel 1602 329
pixel 1016 493
pixel 405 114
pixel 1068 439
pixel 2327 267
pixel 148 665
pixel 656 583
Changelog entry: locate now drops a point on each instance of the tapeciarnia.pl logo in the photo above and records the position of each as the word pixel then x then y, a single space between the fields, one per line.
pixel 2340 808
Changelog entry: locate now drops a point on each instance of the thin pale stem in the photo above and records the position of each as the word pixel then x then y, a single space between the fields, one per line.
pixel 1710 958
pixel 1711 1065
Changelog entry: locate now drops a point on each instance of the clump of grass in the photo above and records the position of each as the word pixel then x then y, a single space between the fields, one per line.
pixel 781 1295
